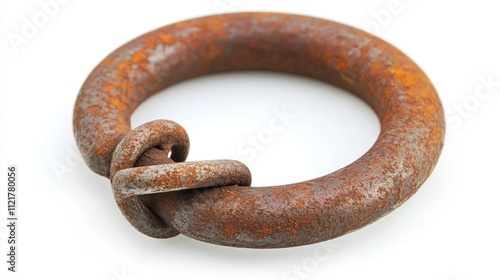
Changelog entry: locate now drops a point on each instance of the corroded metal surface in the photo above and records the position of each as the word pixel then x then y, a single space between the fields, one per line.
pixel 410 112
pixel 130 182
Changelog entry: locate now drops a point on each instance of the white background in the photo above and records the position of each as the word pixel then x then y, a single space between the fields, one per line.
pixel 70 228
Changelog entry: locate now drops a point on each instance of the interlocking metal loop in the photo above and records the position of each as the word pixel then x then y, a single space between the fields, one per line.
pixel 131 182
pixel 164 196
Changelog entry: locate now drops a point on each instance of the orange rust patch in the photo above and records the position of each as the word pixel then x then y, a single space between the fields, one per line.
pixel 213 52
pixel 139 57
pixel 117 102
pixel 397 72
pixel 107 61
pixel 124 67
pixel 167 38
pixel 300 202
pixel 342 65
pixel 109 87
pixel 266 230
pixel 228 229
pixel 216 23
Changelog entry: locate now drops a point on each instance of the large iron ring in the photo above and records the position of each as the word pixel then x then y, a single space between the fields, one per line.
pixel 219 211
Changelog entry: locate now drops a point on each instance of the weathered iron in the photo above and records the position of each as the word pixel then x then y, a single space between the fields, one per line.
pixel 204 200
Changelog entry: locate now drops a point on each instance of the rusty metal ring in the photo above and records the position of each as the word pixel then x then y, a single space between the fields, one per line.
pixel 408 107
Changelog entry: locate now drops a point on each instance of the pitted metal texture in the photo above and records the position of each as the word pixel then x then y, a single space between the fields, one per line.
pixel 205 200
